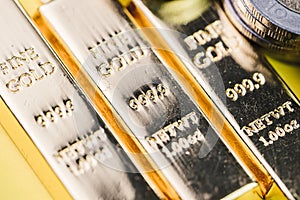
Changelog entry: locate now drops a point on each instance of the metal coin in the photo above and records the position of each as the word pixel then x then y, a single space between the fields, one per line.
pixel 284 36
pixel 274 35
pixel 273 14
pixel 285 40
pixel 293 5
pixel 279 51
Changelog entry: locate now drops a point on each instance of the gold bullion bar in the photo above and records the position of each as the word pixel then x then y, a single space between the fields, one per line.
pixel 135 151
pixel 141 17
pixel 53 124
pixel 144 93
pixel 210 81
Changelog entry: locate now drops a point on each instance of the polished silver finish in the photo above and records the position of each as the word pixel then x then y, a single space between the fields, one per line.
pixel 260 35
pixel 272 13
pixel 148 98
pixel 272 17
pixel 291 4
pixel 281 38
pixel 269 24
pixel 57 117
pixel 229 75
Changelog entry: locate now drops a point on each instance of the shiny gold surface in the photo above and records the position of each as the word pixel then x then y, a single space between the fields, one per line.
pixel 154 178
pixel 18 182
pixel 221 124
pixel 32 154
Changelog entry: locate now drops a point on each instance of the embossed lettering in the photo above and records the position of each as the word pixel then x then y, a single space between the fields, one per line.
pixel 265 120
pixel 33 72
pixel 164 135
pixel 85 152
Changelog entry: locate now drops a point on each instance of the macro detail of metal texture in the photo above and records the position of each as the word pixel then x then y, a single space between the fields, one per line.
pixel 148 98
pixel 155 99
pixel 47 106
pixel 274 25
pixel 291 4
pixel 246 89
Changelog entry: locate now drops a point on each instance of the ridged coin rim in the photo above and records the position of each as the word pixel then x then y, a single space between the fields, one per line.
pixel 285 40
pixel 270 16
pixel 289 54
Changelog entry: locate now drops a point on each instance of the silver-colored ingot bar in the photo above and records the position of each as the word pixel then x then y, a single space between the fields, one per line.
pixel 147 97
pixel 243 85
pixel 59 120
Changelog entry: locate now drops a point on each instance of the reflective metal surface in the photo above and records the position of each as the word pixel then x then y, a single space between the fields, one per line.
pixel 268 23
pixel 291 4
pixel 39 97
pixel 273 13
pixel 275 49
pixel 249 92
pixel 149 99
pixel 58 118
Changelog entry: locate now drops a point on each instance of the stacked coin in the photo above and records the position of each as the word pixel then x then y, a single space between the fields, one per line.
pixel 273 24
